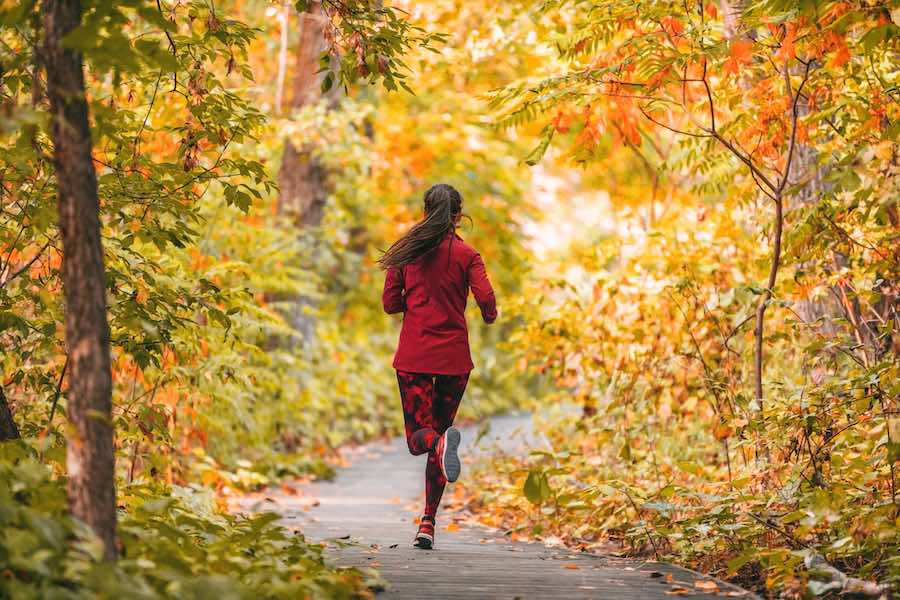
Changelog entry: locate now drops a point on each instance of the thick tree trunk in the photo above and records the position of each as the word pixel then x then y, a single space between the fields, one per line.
pixel 8 429
pixel 91 459
pixel 303 180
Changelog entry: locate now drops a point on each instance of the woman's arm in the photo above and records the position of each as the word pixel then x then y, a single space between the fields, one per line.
pixel 392 297
pixel 482 290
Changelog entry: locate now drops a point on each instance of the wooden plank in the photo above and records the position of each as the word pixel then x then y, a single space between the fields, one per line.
pixel 372 502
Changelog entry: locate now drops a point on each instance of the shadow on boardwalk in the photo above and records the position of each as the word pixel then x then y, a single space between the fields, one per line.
pixel 366 515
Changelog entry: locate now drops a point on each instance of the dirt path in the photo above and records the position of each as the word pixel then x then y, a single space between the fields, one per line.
pixel 366 516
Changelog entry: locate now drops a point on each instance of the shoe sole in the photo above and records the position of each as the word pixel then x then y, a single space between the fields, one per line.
pixel 423 541
pixel 450 459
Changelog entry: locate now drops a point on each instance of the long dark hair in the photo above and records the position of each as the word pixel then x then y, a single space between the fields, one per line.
pixel 443 207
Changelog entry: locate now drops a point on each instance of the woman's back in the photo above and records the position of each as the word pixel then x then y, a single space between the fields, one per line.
pixel 432 293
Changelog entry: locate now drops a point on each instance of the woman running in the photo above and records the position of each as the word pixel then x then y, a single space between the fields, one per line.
pixel 430 271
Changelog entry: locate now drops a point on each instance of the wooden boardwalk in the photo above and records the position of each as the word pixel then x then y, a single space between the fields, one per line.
pixel 366 516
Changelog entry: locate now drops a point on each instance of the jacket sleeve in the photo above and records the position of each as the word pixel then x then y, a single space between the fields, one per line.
pixel 392 298
pixel 482 290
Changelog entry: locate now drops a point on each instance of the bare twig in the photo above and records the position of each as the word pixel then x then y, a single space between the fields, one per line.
pixel 171 46
pixel 58 391
pixel 678 131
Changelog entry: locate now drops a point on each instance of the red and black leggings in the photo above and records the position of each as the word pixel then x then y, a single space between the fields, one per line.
pixel 429 407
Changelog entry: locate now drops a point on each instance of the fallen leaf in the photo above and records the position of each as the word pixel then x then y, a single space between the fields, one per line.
pixel 572 566
pixel 452 527
pixel 678 591
pixel 289 490
pixel 707 586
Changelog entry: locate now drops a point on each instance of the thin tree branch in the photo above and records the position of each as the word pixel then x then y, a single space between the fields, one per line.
pixel 678 131
pixel 58 391
pixel 27 265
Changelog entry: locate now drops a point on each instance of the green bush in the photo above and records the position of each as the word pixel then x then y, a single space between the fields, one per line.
pixel 174 544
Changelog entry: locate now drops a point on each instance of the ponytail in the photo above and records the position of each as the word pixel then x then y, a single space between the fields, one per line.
pixel 443 206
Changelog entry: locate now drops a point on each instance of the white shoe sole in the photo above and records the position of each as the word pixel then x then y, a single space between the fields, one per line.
pixel 450 459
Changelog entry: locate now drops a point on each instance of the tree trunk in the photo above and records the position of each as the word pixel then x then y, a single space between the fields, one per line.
pixel 8 429
pixel 282 55
pixel 91 459
pixel 731 16
pixel 303 180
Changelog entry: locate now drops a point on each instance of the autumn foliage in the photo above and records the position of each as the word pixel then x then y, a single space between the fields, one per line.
pixel 689 210
pixel 729 333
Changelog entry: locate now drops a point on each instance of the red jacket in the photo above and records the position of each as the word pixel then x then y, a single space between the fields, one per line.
pixel 431 293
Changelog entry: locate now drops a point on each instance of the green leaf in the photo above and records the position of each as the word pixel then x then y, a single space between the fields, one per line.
pixel 535 156
pixel 537 488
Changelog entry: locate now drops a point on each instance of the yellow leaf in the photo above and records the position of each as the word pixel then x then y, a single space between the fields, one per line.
pixel 209 477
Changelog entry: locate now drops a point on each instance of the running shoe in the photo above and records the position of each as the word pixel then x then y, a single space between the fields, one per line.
pixel 425 536
pixel 446 451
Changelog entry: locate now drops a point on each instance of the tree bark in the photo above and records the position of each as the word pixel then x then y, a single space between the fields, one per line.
pixel 8 429
pixel 731 16
pixel 282 55
pixel 303 180
pixel 90 459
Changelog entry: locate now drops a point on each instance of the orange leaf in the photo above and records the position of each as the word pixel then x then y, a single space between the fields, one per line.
pixel 787 50
pixel 722 432
pixel 672 25
pixel 741 54
pixel 742 51
pixel 572 567
pixel 841 54
pixel 452 527
pixel 563 121
pixel 707 586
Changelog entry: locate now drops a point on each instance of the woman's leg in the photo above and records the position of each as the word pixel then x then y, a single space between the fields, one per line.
pixel 417 395
pixel 448 392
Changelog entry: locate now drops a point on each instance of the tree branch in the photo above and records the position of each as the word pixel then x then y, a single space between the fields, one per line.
pixel 27 265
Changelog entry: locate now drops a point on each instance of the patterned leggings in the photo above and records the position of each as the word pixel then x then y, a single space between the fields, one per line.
pixel 429 407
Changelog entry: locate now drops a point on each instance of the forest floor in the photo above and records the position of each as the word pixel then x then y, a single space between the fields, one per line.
pixel 366 517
